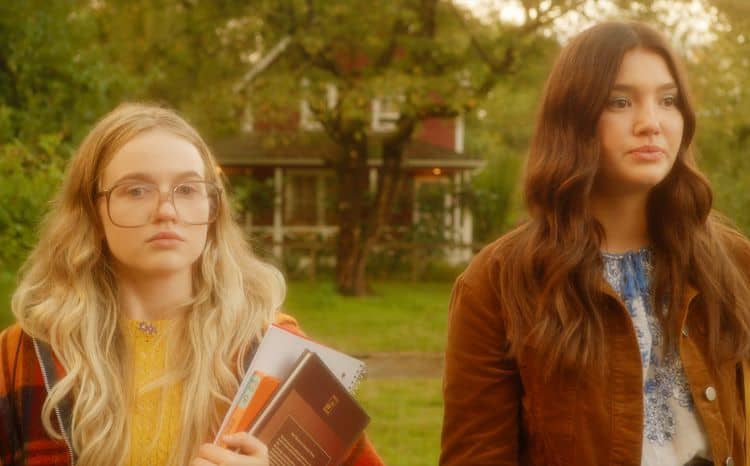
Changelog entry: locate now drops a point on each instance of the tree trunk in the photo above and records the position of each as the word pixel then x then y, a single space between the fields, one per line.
pixel 353 189
pixel 361 219
pixel 351 266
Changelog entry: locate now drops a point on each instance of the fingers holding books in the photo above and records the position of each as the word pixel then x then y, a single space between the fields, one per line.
pixel 242 450
pixel 248 444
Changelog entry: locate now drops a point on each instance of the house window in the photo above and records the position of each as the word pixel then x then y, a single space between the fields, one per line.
pixel 307 117
pixel 252 194
pixel 309 198
pixel 385 113
pixel 433 201
pixel 330 200
pixel 307 120
pixel 301 200
pixel 403 211
pixel 261 198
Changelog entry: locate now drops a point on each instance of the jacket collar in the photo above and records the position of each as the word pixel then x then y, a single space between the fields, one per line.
pixel 689 293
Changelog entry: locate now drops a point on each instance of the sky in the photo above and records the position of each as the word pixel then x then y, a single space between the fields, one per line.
pixel 691 23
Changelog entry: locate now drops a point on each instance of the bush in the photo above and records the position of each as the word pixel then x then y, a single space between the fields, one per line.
pixel 30 177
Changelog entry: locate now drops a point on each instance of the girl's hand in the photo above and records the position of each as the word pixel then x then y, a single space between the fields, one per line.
pixel 253 452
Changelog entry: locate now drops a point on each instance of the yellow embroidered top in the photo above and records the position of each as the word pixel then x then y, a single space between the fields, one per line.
pixel 154 426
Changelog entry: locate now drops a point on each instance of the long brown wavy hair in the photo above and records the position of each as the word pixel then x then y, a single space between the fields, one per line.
pixel 554 287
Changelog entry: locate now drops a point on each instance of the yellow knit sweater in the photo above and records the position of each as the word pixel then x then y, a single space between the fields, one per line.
pixel 155 415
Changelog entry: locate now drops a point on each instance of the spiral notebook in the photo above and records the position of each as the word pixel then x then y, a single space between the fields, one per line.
pixel 279 350
pixel 277 356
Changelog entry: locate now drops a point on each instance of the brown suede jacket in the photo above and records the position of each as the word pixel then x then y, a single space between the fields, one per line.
pixel 499 411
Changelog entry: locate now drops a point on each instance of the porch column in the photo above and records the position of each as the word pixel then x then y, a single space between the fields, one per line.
pixel 448 202
pixel 457 207
pixel 453 220
pixel 278 232
pixel 467 229
pixel 414 203
pixel 248 211
pixel 320 200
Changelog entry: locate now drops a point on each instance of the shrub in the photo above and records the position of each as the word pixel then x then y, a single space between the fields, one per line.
pixel 30 177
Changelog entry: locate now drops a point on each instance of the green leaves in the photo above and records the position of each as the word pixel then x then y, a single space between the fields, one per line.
pixel 30 177
pixel 55 74
pixel 56 79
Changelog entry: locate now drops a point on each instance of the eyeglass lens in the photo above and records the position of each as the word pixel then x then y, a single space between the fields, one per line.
pixel 133 204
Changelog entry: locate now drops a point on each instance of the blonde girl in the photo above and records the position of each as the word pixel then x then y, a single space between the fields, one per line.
pixel 137 310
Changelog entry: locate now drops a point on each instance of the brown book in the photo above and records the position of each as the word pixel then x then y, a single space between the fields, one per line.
pixel 311 420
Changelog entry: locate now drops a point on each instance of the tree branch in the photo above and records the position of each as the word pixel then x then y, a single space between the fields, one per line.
pixel 389 51
pixel 405 126
pixel 543 20
pixel 14 99
pixel 263 64
pixel 427 12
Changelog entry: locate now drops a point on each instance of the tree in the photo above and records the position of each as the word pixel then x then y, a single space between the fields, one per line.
pixel 55 80
pixel 63 64
pixel 721 73
pixel 427 58
pixel 186 54
pixel 430 58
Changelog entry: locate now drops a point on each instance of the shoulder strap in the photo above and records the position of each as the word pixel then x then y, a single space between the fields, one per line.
pixel 53 375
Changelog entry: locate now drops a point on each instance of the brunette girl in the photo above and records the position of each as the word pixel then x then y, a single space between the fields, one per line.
pixel 608 328
pixel 137 310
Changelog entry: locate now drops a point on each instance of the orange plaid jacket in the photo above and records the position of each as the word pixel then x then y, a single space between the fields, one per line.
pixel 24 366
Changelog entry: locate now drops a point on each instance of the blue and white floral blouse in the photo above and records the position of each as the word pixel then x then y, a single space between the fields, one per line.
pixel 673 433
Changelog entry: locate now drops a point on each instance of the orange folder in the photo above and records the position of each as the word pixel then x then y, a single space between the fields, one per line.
pixel 254 398
pixel 266 387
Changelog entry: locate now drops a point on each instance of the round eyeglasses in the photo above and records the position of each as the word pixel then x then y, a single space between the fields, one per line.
pixel 133 203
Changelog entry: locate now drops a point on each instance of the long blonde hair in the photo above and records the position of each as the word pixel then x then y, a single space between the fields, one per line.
pixel 67 297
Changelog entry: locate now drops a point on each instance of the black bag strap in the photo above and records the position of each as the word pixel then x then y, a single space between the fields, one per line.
pixel 53 376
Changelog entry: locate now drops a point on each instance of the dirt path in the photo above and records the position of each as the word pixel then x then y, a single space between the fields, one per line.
pixel 403 365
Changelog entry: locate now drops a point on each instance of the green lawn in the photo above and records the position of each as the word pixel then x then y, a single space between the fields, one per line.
pixel 401 316
pixel 405 419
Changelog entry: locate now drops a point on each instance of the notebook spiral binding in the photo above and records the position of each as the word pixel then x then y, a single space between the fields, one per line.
pixel 359 376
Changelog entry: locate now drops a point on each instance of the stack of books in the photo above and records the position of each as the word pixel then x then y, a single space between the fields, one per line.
pixel 296 398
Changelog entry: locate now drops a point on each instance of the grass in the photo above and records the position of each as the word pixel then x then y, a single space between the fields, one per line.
pixel 405 419
pixel 401 316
